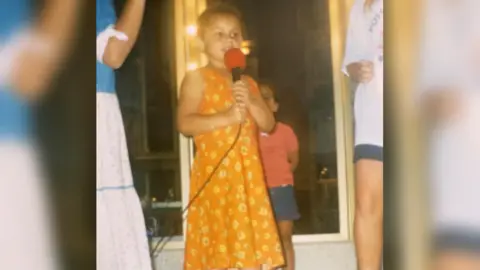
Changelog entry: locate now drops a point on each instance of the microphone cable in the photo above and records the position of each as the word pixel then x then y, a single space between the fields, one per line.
pixel 157 249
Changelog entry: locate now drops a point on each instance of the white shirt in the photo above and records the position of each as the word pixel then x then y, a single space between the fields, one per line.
pixel 365 42
pixel 450 58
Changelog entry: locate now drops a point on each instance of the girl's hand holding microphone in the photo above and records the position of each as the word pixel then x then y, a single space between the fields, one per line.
pixel 241 93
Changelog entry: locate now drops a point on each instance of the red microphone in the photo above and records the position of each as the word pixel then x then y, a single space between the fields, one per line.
pixel 235 61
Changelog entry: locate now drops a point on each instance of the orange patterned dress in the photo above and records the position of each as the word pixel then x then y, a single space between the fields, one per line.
pixel 231 224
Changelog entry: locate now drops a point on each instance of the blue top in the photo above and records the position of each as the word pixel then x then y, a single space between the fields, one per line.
pixel 105 17
pixel 15 114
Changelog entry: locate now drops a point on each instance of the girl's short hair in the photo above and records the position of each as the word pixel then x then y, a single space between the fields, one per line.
pixel 220 9
pixel 269 85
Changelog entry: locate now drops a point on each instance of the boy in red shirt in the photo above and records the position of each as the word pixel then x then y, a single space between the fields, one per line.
pixel 279 152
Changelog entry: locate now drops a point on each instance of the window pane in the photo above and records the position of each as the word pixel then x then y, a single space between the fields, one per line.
pixel 165 195
pixel 147 89
pixel 164 186
pixel 159 77
pixel 300 67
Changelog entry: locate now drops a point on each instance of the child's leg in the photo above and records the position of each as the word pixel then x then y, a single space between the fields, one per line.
pixel 286 211
pixel 369 214
pixel 286 231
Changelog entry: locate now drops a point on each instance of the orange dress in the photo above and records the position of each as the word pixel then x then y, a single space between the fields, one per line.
pixel 231 224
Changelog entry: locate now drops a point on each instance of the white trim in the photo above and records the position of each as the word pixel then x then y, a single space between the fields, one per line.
pixel 319 238
pixel 184 144
pixel 339 11
pixel 104 37
pixel 172 245
pixel 159 205
pixel 340 119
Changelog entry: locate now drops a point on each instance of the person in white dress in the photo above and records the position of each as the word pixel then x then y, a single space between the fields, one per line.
pixel 32 48
pixel 121 232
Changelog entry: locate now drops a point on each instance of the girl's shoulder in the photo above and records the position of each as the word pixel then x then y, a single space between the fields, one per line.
pixel 194 76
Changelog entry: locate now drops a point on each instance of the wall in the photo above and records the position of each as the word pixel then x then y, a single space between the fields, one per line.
pixel 329 256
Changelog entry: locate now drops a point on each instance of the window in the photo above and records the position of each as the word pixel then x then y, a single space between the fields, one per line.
pixel 291 49
pixel 147 92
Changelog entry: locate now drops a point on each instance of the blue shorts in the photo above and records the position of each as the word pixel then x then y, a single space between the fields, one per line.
pixel 368 151
pixel 457 239
pixel 284 203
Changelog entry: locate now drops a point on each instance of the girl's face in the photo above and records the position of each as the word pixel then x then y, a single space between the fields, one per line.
pixel 221 34
pixel 272 104
pixel 269 98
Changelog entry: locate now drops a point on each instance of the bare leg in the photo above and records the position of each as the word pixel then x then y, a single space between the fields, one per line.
pixel 286 231
pixel 369 214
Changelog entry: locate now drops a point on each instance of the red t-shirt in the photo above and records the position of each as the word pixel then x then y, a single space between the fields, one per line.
pixel 274 149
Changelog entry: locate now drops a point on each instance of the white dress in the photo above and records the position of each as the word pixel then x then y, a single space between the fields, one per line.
pixel 121 233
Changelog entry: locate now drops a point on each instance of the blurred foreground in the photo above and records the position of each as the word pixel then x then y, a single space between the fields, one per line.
pixel 44 158
pixel 433 71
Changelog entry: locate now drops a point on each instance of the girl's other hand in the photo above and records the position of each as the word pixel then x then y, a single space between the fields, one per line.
pixel 361 72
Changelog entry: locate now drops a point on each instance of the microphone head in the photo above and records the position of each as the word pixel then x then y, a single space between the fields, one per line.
pixel 234 58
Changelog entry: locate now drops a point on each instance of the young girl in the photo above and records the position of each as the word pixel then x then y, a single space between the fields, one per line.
pixel 279 151
pixel 121 232
pixel 363 63
pixel 30 54
pixel 230 224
